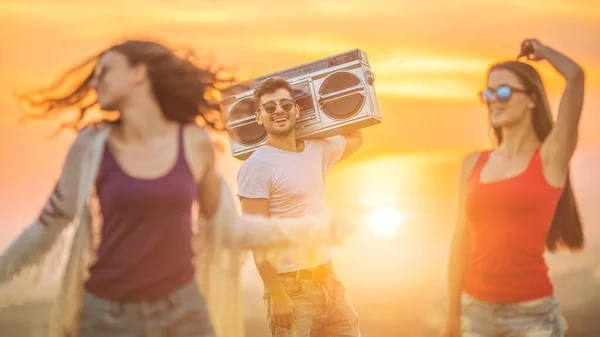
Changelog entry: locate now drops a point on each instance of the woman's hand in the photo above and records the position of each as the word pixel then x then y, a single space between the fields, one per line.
pixel 532 49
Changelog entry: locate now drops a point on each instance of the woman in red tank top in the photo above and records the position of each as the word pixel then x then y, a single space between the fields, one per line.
pixel 515 202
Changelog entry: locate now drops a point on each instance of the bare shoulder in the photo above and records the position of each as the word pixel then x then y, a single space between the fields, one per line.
pixel 200 141
pixel 470 159
pixel 199 149
pixel 468 164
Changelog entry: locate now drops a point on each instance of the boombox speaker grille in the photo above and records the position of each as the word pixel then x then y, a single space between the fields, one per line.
pixel 342 95
pixel 243 126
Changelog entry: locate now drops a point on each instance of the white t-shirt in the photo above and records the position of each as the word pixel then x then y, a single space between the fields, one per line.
pixel 294 184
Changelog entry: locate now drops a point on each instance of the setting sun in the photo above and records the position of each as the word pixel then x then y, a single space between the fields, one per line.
pixel 385 221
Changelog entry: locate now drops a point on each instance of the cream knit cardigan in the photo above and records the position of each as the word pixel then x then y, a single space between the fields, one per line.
pixel 219 246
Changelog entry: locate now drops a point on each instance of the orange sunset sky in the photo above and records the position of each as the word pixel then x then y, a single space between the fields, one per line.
pixel 429 59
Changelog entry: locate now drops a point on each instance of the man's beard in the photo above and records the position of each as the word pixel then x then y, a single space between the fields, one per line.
pixel 282 132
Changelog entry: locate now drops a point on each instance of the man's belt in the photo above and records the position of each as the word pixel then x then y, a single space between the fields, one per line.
pixel 318 272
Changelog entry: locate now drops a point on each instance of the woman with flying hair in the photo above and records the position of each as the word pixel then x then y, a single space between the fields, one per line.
pixel 130 183
pixel 516 202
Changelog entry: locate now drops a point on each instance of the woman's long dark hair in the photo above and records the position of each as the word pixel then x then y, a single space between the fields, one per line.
pixel 566 230
pixel 186 92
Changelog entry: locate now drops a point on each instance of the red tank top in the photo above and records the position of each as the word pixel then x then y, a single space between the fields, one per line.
pixel 509 221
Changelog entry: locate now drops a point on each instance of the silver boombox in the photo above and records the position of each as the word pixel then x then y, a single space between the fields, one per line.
pixel 335 94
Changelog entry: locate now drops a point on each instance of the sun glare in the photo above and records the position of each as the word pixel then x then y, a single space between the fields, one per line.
pixel 385 222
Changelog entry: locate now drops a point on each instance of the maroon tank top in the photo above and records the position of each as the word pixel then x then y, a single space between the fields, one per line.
pixel 146 248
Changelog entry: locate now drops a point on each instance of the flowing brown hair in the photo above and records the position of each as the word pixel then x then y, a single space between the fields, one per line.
pixel 186 91
pixel 566 230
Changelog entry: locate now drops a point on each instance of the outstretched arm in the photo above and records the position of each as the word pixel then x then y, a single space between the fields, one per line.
pixel 34 243
pixel 257 231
